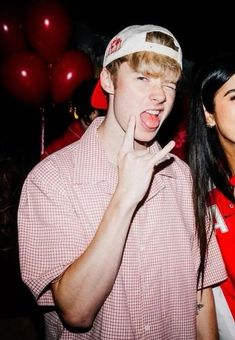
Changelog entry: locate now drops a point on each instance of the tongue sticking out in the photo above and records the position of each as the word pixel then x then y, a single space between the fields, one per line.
pixel 150 121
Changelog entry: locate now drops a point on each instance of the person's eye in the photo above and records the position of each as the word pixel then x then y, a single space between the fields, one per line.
pixel 170 86
pixel 142 78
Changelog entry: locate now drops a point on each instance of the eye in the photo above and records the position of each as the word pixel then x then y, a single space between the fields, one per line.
pixel 170 86
pixel 142 78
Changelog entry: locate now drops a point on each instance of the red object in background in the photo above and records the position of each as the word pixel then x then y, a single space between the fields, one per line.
pixel 25 76
pixel 72 134
pixel 98 98
pixel 11 35
pixel 48 28
pixel 180 140
pixel 73 68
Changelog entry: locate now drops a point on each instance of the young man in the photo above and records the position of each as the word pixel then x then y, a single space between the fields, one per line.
pixel 106 225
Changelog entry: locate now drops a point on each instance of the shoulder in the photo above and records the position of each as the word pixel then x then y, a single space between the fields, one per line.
pixel 58 165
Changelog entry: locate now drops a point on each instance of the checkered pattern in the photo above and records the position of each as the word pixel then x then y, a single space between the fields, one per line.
pixel 154 296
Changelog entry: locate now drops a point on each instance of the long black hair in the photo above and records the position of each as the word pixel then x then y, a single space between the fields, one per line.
pixel 205 154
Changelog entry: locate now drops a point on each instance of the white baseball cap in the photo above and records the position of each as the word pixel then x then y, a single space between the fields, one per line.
pixel 133 39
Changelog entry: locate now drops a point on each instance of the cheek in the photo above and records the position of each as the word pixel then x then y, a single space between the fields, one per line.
pixel 170 99
pixel 121 109
pixel 226 123
pixel 127 99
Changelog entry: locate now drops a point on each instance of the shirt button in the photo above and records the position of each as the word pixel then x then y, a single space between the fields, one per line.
pixel 231 205
pixel 147 328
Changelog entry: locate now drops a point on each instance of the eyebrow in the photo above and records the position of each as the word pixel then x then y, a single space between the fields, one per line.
pixel 228 92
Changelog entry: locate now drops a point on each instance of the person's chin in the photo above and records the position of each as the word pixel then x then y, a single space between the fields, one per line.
pixel 146 137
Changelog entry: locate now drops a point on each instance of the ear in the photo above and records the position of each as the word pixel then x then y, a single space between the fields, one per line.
pixel 106 81
pixel 210 120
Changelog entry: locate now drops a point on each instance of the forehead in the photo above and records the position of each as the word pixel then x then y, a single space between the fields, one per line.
pixel 228 87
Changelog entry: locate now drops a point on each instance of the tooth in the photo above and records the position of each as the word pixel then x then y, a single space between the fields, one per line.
pixel 153 112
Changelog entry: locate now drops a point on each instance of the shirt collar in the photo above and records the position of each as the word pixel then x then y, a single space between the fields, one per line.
pixel 91 164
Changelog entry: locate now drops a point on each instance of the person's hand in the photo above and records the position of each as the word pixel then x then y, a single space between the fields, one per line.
pixel 136 166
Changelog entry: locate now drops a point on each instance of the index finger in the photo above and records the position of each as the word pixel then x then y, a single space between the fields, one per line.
pixel 128 142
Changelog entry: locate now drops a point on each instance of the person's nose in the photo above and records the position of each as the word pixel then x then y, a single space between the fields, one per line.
pixel 157 94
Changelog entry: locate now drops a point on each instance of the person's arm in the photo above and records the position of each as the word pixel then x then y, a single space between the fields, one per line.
pixel 206 318
pixel 82 289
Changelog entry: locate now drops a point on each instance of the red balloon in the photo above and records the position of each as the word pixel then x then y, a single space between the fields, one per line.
pixel 48 28
pixel 25 76
pixel 11 35
pixel 73 68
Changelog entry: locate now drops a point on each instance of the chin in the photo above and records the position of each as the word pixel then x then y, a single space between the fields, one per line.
pixel 146 138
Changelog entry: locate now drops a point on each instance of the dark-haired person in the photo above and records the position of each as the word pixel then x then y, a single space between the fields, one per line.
pixel 211 156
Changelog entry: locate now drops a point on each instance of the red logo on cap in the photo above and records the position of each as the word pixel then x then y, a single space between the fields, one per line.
pixel 115 45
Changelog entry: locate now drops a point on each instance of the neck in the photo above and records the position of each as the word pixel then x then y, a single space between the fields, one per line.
pixel 112 135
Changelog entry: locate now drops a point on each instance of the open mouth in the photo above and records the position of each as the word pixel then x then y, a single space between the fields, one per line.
pixel 150 119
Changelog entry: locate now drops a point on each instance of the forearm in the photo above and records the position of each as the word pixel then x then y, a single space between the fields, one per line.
pixel 84 286
pixel 206 318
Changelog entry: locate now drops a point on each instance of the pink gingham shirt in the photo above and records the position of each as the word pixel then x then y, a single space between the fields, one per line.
pixel 154 295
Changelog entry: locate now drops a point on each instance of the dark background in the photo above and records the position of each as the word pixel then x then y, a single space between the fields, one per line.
pixel 201 27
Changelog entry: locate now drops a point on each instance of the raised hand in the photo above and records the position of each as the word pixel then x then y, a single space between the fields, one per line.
pixel 136 166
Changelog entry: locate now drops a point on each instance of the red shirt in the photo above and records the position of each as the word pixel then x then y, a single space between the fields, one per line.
pixel 224 212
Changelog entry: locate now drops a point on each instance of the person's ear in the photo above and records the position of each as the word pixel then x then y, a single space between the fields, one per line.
pixel 106 81
pixel 210 119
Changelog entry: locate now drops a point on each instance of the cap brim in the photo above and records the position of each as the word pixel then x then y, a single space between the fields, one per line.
pixel 98 98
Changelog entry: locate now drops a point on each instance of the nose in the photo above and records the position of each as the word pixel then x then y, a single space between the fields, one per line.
pixel 157 94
